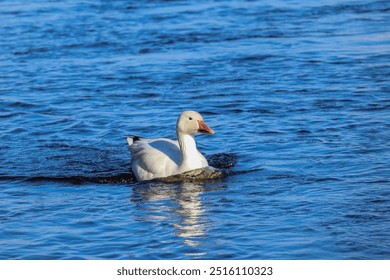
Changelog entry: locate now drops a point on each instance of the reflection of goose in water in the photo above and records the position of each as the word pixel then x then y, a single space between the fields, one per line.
pixel 192 222
pixel 186 211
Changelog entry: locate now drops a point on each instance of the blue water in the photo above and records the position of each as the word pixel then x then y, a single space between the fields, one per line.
pixel 298 93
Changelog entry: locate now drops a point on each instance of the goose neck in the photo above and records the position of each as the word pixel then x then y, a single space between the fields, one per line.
pixel 188 149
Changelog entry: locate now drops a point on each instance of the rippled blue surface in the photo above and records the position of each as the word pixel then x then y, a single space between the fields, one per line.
pixel 297 90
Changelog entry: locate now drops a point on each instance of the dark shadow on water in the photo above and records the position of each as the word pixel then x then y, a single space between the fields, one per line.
pixel 123 178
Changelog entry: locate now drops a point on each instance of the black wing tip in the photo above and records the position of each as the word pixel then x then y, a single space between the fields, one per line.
pixel 134 137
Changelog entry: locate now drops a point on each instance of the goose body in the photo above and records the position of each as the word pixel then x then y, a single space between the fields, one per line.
pixel 162 157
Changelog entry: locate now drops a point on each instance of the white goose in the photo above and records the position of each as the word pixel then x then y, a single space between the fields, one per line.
pixel 162 157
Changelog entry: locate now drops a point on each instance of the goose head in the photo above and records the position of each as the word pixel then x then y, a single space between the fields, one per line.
pixel 191 122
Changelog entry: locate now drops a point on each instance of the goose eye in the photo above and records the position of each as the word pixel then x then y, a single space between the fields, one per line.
pixel 190 119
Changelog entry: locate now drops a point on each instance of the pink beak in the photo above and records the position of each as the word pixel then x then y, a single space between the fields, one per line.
pixel 203 128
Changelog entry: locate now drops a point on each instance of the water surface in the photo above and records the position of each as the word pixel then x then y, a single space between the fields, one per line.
pixel 297 92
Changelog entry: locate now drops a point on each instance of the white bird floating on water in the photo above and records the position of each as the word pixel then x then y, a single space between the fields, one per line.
pixel 162 157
